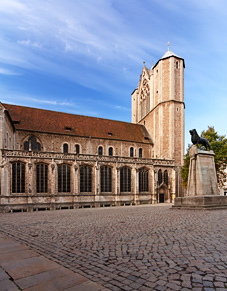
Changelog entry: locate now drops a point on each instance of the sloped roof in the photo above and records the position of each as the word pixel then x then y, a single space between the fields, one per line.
pixel 40 120
pixel 169 54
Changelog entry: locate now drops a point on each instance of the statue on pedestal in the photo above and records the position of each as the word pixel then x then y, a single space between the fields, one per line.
pixel 196 139
pixel 202 192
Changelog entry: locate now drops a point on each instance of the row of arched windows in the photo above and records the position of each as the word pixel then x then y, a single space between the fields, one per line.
pixel 34 145
pixel 100 150
pixel 85 176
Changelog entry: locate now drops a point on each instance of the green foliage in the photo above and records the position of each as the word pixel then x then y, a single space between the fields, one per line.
pixel 185 169
pixel 218 144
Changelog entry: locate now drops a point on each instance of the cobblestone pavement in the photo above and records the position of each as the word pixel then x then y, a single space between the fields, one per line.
pixel 131 248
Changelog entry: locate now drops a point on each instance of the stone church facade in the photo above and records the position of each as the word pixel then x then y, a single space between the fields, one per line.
pixel 55 160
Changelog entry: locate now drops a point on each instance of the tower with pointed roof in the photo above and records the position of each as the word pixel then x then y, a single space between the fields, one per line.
pixel 158 103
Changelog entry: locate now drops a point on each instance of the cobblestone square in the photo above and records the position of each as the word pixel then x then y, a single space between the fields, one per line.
pixel 150 247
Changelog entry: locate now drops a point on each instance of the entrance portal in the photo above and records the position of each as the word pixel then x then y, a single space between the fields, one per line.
pixel 161 197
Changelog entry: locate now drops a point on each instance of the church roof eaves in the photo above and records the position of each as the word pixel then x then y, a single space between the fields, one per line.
pixel 41 120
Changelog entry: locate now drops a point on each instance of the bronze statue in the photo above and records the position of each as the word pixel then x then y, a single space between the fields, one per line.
pixel 196 139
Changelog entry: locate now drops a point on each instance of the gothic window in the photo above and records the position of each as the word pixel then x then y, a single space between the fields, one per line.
pixel 106 179
pixel 140 153
pixel 77 148
pixel 85 179
pixel 131 152
pixel 125 180
pixel 18 178
pixel 160 177
pixel 32 144
pixel 143 180
pixel 65 148
pixel 100 151
pixel 166 177
pixel 63 178
pixel 41 178
pixel 110 151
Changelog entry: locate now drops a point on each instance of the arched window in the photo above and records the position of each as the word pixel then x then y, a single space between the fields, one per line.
pixel 18 178
pixel 32 144
pixel 140 153
pixel 110 151
pixel 100 151
pixel 77 148
pixel 106 179
pixel 125 180
pixel 41 178
pixel 63 178
pixel 166 177
pixel 160 177
pixel 143 180
pixel 131 152
pixel 85 179
pixel 65 148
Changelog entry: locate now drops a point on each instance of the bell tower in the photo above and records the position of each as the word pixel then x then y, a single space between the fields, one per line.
pixel 158 104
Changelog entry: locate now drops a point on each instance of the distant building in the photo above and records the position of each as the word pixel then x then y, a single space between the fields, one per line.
pixel 55 160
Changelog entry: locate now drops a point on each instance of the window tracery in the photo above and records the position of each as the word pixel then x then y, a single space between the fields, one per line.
pixel 32 144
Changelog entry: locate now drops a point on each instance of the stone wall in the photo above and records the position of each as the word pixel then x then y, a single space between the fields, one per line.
pixel 30 200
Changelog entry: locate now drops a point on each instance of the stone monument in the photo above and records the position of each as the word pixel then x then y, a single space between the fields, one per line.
pixel 202 192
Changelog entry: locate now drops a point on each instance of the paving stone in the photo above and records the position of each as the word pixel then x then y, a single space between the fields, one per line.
pixel 50 275
pixel 122 248
pixel 8 285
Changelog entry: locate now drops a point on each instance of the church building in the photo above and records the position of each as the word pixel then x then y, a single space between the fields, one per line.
pixel 55 160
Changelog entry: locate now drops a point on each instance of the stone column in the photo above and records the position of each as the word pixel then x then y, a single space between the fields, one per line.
pixel 135 174
pixel 53 184
pixel 75 182
pixel 117 184
pixel 97 184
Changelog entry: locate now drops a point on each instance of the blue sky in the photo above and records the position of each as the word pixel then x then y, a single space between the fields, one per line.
pixel 85 57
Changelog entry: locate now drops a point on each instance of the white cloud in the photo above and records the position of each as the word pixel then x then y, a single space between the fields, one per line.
pixel 12 6
pixel 29 43
pixel 8 72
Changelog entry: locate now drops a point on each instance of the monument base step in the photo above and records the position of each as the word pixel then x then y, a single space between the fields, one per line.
pixel 204 202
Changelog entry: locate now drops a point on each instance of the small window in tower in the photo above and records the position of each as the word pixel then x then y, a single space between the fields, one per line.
pixel 157 71
pixel 177 109
pixel 156 91
pixel 176 65
pixel 144 122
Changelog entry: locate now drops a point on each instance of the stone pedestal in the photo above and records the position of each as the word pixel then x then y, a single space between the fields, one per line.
pixel 202 190
pixel 202 178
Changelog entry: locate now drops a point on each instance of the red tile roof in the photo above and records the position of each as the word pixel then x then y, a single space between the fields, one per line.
pixel 40 120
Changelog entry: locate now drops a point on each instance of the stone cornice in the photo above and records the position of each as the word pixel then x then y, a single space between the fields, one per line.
pixel 15 154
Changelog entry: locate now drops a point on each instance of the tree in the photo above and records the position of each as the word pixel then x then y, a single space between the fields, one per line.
pixel 185 168
pixel 218 144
